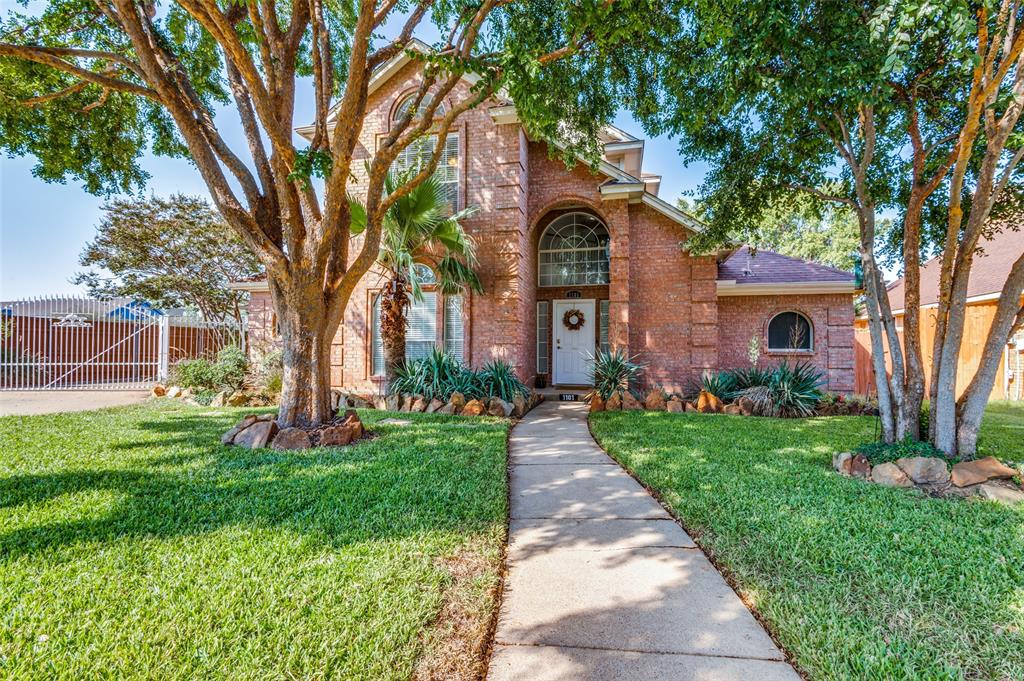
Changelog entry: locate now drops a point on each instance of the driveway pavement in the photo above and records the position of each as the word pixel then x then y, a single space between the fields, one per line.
pixel 602 583
pixel 28 402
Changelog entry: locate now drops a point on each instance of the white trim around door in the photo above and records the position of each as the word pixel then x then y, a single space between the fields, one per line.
pixel 572 349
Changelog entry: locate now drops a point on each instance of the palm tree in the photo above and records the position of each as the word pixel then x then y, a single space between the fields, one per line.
pixel 419 229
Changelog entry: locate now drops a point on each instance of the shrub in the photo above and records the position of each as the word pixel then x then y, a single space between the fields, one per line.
pixel 231 367
pixel 789 392
pixel 435 376
pixel 612 371
pixel 272 371
pixel 498 379
pixel 881 452
pixel 197 373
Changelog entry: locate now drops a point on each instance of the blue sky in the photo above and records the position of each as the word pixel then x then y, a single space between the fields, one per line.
pixel 43 227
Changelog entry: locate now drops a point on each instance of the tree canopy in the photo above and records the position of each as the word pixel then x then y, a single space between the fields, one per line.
pixel 174 252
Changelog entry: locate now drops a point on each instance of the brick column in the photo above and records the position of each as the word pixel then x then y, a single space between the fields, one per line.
pixel 617 213
pixel 703 315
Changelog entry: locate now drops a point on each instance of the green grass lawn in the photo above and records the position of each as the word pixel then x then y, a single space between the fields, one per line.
pixel 132 544
pixel 856 581
pixel 1002 431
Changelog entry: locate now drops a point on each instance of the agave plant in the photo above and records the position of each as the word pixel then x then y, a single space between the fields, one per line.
pixel 612 371
pixel 498 379
pixel 789 392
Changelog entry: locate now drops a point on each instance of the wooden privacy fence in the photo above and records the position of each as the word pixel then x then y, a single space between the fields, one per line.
pixel 66 343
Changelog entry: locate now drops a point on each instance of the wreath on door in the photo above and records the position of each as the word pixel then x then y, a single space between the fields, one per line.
pixel 572 319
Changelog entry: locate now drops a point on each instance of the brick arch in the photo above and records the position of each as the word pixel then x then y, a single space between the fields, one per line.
pixel 567 204
pixel 402 94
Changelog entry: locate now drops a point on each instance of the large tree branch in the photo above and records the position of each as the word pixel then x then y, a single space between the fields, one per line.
pixel 45 56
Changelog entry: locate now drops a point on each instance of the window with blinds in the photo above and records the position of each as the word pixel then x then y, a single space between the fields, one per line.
pixel 603 333
pixel 454 340
pixel 418 153
pixel 420 331
pixel 543 329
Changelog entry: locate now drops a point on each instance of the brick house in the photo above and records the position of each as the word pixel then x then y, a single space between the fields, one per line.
pixel 554 242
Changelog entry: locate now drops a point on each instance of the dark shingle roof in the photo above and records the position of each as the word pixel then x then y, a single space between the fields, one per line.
pixel 992 264
pixel 768 267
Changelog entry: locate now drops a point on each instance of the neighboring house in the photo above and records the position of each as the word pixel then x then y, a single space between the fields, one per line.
pixel 553 241
pixel 991 267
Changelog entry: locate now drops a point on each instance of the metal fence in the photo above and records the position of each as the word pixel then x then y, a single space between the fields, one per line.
pixel 69 343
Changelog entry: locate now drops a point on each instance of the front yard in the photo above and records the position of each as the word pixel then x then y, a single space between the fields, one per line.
pixel 132 544
pixel 856 581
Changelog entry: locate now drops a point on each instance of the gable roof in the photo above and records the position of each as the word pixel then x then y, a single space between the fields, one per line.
pixel 760 272
pixel 992 264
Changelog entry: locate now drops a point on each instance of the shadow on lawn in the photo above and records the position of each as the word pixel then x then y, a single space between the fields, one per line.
pixel 387 487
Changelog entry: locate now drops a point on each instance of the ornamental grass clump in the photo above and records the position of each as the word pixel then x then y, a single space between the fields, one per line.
pixel 613 371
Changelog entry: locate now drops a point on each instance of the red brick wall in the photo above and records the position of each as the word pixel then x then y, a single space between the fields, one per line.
pixel 831 316
pixel 663 302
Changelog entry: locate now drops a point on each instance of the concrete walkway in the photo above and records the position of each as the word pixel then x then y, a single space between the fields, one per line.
pixel 30 402
pixel 602 583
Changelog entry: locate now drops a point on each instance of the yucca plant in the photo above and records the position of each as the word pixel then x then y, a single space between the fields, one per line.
pixel 721 384
pixel 790 392
pixel 612 371
pixel 435 376
pixel 498 379
pixel 750 378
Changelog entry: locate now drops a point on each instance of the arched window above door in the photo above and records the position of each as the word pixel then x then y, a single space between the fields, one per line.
pixel 574 251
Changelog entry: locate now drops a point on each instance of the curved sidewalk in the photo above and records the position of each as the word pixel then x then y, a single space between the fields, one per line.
pixel 602 583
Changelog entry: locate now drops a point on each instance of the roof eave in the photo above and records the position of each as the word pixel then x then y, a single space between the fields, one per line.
pixel 730 287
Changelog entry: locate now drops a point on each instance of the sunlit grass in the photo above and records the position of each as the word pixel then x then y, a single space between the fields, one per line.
pixel 134 545
pixel 857 581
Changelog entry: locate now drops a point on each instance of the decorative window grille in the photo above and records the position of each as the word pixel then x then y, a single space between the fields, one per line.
pixel 418 153
pixel 603 333
pixel 543 329
pixel 420 331
pixel 789 332
pixel 574 251
pixel 406 104
pixel 454 331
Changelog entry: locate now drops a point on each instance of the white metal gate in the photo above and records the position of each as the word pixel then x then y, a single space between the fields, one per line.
pixel 69 343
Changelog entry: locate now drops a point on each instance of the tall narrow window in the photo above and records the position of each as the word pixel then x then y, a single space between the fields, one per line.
pixel 543 329
pixel 574 251
pixel 420 331
pixel 418 153
pixel 454 332
pixel 603 334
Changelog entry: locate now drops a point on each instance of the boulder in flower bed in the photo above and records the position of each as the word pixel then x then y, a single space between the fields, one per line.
pixel 655 400
pixel 674 406
pixel 499 407
pixel 690 408
pixel 925 470
pixel 890 475
pixel 292 438
pixel 459 400
pixel 708 403
pixel 473 408
pixel 434 405
pixel 520 405
pixel 158 390
pixel 630 403
pixel 614 402
pixel 257 432
pixel 967 473
pixel 596 402
pixel 256 435
pixel 732 409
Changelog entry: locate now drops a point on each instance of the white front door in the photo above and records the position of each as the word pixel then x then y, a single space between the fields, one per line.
pixel 574 347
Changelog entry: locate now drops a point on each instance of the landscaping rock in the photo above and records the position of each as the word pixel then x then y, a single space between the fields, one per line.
pixel 655 401
pixel 732 409
pixel 708 403
pixel 267 417
pixel 353 423
pixel 969 473
pixel 499 407
pixel 851 465
pixel 229 437
pixel 924 470
pixel 890 475
pixel 746 406
pixel 614 403
pixel 220 399
pixel 472 408
pixel 158 391
pixel 419 404
pixel 1004 494
pixel 257 436
pixel 841 462
pixel 448 409
pixel 690 408
pixel 596 403
pixel 630 403
pixel 173 391
pixel 359 402
pixel 337 400
pixel 239 398
pixel 292 438
pixel 434 405
pixel 674 406
pixel 336 436
pixel 520 406
pixel 459 400
pixel 380 402
pixel 393 402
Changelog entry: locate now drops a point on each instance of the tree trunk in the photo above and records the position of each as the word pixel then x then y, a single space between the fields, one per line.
pixel 306 335
pixel 393 323
pixel 885 398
